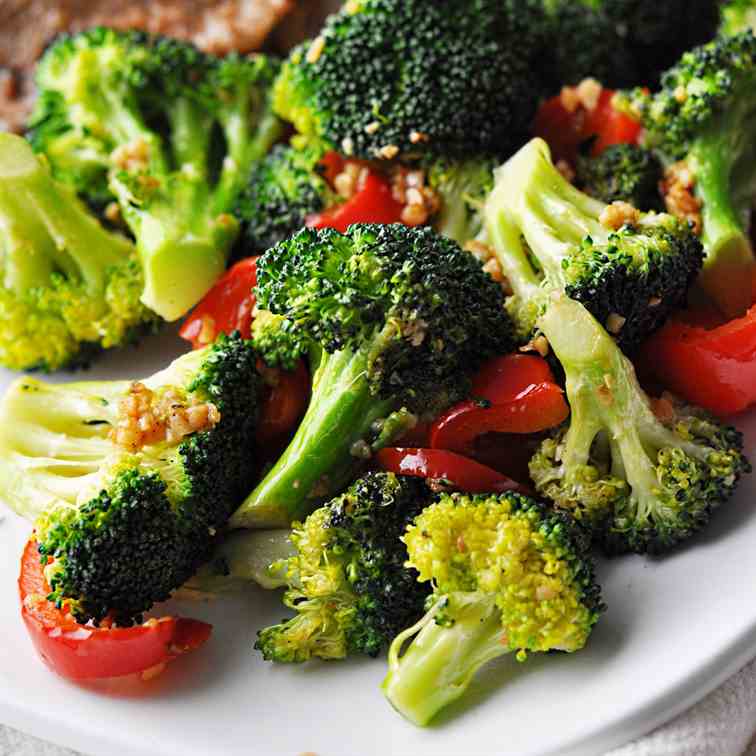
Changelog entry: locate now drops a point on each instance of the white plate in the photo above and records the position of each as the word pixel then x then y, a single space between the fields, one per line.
pixel 675 629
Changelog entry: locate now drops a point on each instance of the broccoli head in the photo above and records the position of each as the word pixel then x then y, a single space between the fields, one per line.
pixel 630 269
pixel 168 131
pixel 508 576
pixel 624 43
pixel 69 287
pixel 347 580
pixel 643 477
pixel 386 77
pixel 128 482
pixel 401 316
pixel 703 116
pixel 281 192
pixel 622 172
pixel 738 16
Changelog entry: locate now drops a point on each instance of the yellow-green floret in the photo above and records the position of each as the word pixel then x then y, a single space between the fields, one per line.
pixel 508 576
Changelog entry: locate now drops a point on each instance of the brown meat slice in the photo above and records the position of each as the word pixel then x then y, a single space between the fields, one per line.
pixel 26 26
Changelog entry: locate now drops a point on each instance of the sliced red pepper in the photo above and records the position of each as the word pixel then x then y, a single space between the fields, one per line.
pixel 83 652
pixel 331 165
pixel 502 379
pixel 226 308
pixel 452 469
pixel 714 368
pixel 537 409
pixel 285 404
pixel 565 131
pixel 373 203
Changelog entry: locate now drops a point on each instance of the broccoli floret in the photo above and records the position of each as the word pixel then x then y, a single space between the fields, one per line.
pixel 508 576
pixel 402 316
pixel 703 116
pixel 630 269
pixel 386 77
pixel 127 518
pixel 170 132
pixel 738 16
pixel 282 191
pixel 347 580
pixel 462 188
pixel 642 482
pixel 69 286
pixel 624 43
pixel 622 172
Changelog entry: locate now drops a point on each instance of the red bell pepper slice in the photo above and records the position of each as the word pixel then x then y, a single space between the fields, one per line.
pixel 373 203
pixel 459 472
pixel 285 403
pixel 519 396
pixel 714 368
pixel 226 308
pixel 565 131
pixel 84 652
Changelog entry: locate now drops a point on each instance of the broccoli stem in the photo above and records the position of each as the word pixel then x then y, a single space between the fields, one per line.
pixel 46 229
pixel 442 659
pixel 319 460
pixel 729 264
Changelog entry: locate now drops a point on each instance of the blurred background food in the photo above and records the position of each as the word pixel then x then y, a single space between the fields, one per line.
pixel 218 26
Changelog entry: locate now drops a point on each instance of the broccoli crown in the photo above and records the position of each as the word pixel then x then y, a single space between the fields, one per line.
pixel 642 481
pixel 738 16
pixel 347 581
pixel 277 340
pixel 623 172
pixel 69 287
pixel 625 42
pixel 281 192
pixel 126 523
pixel 168 131
pixel 414 301
pixel 462 187
pixel 508 575
pixel 629 273
pixel 455 77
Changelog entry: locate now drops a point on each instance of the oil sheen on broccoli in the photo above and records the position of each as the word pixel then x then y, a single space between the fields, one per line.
pixel 396 319
pixel 168 131
pixel 705 116
pixel 126 524
pixel 508 576
pixel 69 287
pixel 386 77
pixel 550 237
pixel 348 583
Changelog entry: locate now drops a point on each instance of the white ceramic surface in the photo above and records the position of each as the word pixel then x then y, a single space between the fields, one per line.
pixel 675 629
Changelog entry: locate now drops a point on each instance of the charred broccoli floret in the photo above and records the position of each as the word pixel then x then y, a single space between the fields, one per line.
pixel 128 482
pixel 642 481
pixel 348 583
pixel 623 172
pixel 704 116
pixel 508 576
pixel 69 287
pixel 401 316
pixel 282 191
pixel 405 77
pixel 170 132
pixel 630 269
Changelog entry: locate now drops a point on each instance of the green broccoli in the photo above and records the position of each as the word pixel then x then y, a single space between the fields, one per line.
pixel 402 316
pixel 701 117
pixel 281 192
pixel 167 130
pixel 508 576
pixel 738 16
pixel 128 482
pixel 347 580
pixel 69 286
pixel 641 482
pixel 624 43
pixel 630 269
pixel 622 172
pixel 404 77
